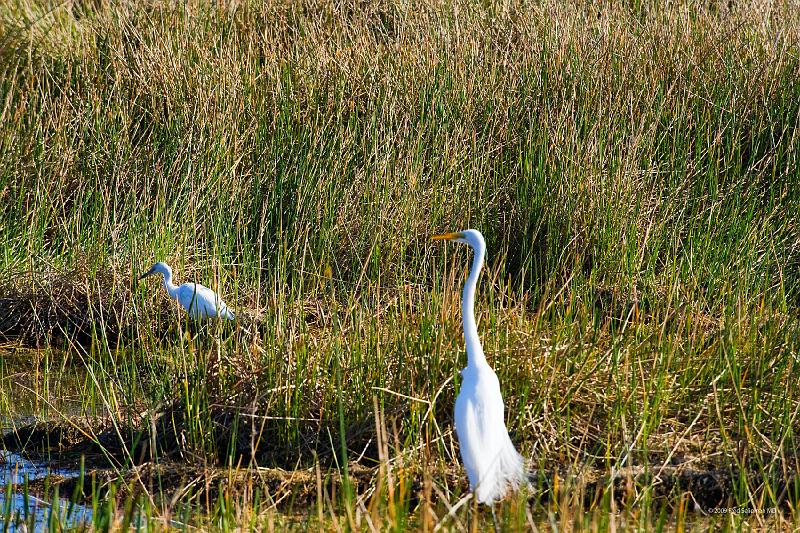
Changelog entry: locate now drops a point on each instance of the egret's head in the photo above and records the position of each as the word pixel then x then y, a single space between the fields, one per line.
pixel 158 268
pixel 472 237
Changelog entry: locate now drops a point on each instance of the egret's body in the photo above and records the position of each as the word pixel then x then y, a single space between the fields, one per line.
pixel 198 300
pixel 492 463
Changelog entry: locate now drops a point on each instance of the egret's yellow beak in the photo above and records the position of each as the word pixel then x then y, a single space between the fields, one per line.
pixel 447 236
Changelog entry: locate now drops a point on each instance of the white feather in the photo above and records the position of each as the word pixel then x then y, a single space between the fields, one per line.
pixel 198 300
pixel 492 463
pixel 201 302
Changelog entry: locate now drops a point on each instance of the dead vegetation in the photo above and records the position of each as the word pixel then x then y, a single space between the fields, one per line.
pixel 170 478
pixel 61 307
pixel 633 166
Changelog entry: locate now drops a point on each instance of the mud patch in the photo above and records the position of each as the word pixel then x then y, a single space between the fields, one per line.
pixel 199 485
pixel 156 460
pixel 703 490
pixel 175 478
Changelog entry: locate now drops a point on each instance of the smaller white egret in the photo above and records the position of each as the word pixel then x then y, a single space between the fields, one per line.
pixel 198 300
pixel 492 463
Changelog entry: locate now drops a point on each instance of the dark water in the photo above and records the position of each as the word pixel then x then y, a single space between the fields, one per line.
pixel 29 394
pixel 31 391
pixel 30 513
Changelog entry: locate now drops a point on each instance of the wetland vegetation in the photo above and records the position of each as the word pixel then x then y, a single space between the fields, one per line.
pixel 633 167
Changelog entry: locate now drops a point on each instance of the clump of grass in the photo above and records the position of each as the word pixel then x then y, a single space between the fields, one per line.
pixel 633 168
pixel 59 308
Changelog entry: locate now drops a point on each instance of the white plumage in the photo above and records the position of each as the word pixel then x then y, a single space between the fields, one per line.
pixel 198 300
pixel 492 463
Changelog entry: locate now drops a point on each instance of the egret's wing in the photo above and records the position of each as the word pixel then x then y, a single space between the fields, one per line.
pixel 198 300
pixel 211 304
pixel 491 460
pixel 492 419
pixel 479 408
pixel 468 428
pixel 187 297
pixel 223 309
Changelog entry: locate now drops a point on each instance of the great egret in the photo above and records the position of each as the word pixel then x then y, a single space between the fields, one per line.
pixel 493 464
pixel 198 300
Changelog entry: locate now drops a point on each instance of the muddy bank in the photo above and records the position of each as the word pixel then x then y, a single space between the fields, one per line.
pixel 107 461
pixel 233 438
pixel 703 490
pixel 157 459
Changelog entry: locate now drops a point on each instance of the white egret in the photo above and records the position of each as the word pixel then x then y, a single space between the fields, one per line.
pixel 492 463
pixel 198 300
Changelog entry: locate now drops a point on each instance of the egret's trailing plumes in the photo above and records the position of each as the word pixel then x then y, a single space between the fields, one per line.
pixel 492 463
pixel 198 300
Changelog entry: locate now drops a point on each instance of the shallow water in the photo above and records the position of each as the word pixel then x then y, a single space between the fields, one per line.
pixel 30 513
pixel 29 394
pixel 31 389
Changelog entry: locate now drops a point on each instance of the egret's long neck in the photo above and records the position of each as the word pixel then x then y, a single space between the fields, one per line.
pixel 172 289
pixel 475 355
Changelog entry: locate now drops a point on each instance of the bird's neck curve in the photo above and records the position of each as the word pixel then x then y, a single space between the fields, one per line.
pixel 172 289
pixel 475 355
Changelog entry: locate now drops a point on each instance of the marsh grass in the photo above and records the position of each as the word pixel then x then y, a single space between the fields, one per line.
pixel 633 168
